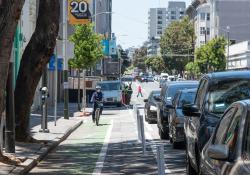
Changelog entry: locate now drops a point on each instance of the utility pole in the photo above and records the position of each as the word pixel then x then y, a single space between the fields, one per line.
pixel 10 113
pixel 228 44
pixel 65 67
pixel 56 81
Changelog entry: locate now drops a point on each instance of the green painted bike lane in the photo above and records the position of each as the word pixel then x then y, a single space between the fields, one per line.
pixel 78 154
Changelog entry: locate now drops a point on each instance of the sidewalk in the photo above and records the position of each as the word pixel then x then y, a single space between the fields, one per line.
pixel 33 153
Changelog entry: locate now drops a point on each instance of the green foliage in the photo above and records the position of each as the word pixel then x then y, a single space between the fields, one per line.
pixel 88 49
pixel 156 63
pixel 139 58
pixel 177 44
pixel 192 69
pixel 211 57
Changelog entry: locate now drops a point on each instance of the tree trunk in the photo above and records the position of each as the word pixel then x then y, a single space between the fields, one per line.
pixel 35 57
pixel 78 91
pixel 10 12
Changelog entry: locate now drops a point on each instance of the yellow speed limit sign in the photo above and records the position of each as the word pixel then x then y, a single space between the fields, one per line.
pixel 78 11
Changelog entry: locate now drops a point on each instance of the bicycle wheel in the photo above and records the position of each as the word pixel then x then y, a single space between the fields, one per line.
pixel 97 116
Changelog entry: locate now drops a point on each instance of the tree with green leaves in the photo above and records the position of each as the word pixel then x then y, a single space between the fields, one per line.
pixel 156 63
pixel 192 70
pixel 139 58
pixel 211 56
pixel 177 44
pixel 88 50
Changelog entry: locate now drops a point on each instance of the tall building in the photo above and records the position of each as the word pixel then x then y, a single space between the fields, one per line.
pixel 220 18
pixel 176 11
pixel 156 22
pixel 102 15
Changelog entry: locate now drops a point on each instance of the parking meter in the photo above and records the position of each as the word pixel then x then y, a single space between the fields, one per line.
pixel 44 96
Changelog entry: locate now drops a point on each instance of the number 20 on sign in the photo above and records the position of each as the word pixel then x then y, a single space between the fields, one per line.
pixel 78 11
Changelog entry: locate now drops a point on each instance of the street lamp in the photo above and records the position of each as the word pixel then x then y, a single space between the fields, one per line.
pixel 228 43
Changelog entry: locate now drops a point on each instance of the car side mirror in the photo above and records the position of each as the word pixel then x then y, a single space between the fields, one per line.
pixel 218 152
pixel 145 100
pixel 191 110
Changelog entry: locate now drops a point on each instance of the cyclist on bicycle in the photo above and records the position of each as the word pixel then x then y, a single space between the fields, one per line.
pixel 97 97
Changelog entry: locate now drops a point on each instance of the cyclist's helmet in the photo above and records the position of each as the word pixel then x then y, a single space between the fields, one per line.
pixel 98 87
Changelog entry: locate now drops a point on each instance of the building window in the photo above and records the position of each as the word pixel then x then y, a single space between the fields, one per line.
pixel 202 30
pixel 159 22
pixel 159 12
pixel 159 17
pixel 208 31
pixel 208 16
pixel 182 12
pixel 159 27
pixel 202 16
pixel 173 17
pixel 159 32
pixel 173 12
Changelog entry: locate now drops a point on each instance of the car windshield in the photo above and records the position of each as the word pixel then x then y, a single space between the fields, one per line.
pixel 110 86
pixel 173 89
pixel 186 98
pixel 224 93
pixel 156 93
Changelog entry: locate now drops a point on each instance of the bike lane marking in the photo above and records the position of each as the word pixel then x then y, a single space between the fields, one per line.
pixel 102 155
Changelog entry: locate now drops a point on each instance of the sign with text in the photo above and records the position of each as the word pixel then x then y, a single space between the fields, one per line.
pixel 79 12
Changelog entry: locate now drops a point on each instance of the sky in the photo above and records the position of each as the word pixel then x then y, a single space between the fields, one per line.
pixel 129 20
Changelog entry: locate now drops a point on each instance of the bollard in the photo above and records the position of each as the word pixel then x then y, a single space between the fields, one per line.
pixel 143 140
pixel 160 160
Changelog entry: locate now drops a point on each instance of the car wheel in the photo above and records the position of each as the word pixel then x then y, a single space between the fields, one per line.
pixel 163 135
pixel 119 105
pixel 190 170
pixel 177 145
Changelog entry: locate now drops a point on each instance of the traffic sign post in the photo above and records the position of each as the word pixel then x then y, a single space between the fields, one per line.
pixel 79 12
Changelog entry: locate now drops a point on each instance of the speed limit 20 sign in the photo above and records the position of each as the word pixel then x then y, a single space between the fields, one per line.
pixel 78 11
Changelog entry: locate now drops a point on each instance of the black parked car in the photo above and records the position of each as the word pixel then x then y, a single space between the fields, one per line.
pixel 176 117
pixel 168 92
pixel 228 150
pixel 215 93
pixel 151 107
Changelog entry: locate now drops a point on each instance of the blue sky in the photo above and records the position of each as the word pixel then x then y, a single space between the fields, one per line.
pixel 130 17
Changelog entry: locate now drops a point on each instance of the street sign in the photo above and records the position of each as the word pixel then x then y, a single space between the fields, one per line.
pixel 79 12
pixel 51 65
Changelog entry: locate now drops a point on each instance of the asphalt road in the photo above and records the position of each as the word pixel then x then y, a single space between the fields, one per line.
pixel 174 158
pixel 112 147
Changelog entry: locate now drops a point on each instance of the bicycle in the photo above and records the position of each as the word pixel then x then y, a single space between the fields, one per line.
pixel 98 113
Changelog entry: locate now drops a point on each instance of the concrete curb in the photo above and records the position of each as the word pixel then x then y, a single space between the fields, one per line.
pixel 31 162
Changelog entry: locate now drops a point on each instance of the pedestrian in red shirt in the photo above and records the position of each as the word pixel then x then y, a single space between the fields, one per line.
pixel 139 91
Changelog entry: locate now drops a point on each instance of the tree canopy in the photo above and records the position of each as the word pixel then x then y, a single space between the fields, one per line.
pixel 139 58
pixel 88 49
pixel 156 63
pixel 211 56
pixel 177 44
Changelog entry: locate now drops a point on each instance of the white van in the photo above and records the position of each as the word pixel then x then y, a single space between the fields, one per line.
pixel 112 92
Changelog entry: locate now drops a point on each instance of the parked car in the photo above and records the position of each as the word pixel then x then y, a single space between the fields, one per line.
pixel 156 77
pixel 168 92
pixel 150 108
pixel 228 150
pixel 162 82
pixel 176 116
pixel 112 92
pixel 150 79
pixel 215 93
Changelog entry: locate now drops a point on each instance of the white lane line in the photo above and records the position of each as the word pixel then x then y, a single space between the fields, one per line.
pixel 102 155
